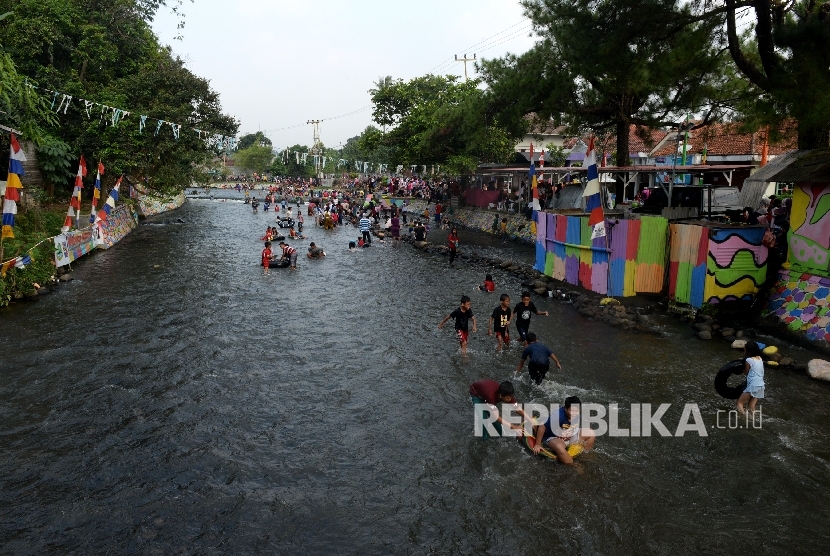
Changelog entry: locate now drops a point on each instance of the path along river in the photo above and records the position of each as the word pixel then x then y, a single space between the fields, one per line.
pixel 172 399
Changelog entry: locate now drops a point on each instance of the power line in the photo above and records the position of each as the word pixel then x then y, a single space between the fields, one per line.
pixel 470 48
pixel 488 44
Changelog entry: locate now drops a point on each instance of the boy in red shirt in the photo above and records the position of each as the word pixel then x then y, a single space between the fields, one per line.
pixel 266 256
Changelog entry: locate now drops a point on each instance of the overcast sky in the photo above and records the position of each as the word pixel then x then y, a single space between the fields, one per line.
pixel 279 63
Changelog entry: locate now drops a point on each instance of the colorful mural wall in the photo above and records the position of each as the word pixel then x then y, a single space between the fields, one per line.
pixel 710 265
pixel 801 301
pixel 121 221
pixel 737 264
pixel 633 264
pixel 149 205
pixel 809 235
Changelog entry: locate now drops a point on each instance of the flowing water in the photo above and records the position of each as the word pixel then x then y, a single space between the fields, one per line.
pixel 172 399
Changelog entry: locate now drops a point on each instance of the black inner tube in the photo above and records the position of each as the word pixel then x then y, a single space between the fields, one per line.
pixel 735 367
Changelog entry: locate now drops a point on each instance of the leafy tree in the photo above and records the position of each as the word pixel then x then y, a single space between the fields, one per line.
pixel 256 157
pixel 608 64
pixel 249 139
pixel 788 58
pixel 55 158
pixel 555 156
pixel 105 51
pixel 433 119
pixel 285 164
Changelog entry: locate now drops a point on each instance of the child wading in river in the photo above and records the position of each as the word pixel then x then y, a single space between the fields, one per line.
pixel 754 371
pixel 462 316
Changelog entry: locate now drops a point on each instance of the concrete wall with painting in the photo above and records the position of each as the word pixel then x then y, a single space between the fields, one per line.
pixel 801 298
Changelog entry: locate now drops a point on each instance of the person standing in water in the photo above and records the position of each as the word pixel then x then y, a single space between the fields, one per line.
pixel 452 243
pixel 523 311
pixel 540 356
pixel 754 371
pixel 462 316
pixel 500 322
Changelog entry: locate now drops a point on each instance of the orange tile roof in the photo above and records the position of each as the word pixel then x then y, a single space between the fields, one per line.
pixel 723 139
pixel 636 143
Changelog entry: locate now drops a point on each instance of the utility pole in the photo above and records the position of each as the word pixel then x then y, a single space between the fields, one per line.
pixel 317 148
pixel 465 60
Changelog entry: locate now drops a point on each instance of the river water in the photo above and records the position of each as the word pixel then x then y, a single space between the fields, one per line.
pixel 172 399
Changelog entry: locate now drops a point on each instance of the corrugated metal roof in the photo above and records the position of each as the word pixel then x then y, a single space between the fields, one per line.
pixel 570 197
pixel 807 166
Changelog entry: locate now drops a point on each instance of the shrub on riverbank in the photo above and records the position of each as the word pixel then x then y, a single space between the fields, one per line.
pixel 31 227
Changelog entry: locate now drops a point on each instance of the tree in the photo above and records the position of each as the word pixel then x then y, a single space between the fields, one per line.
pixel 105 51
pixel 788 59
pixel 607 64
pixel 249 139
pixel 256 157
pixel 433 119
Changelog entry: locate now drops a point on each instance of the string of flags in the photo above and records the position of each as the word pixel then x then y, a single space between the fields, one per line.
pixel 75 199
pixel 360 166
pixel 111 115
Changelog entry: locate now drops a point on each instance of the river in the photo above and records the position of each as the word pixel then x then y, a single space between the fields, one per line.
pixel 172 399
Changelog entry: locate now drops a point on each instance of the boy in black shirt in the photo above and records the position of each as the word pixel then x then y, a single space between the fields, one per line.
pixel 461 315
pixel 523 311
pixel 500 322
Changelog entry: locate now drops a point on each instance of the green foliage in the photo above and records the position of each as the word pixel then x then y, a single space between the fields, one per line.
pixel 22 108
pixel 105 51
pixel 55 158
pixel 787 56
pixel 256 157
pixel 30 228
pixel 555 156
pixel 607 64
pixel 285 164
pixel 257 138
pixel 435 119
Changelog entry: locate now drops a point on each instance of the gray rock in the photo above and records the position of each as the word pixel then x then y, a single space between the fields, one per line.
pixel 44 291
pixel 819 369
pixel 785 361
pixel 506 264
pixel 777 357
pixel 739 344
pixel 739 334
pixel 704 335
pixel 728 331
pixel 700 327
pixel 65 278
pixel 541 291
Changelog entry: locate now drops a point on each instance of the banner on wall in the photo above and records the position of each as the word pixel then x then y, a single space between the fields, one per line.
pixel 120 222
pixel 72 246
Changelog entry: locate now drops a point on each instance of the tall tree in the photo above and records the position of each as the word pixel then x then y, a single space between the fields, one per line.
pixel 607 64
pixel 249 139
pixel 788 58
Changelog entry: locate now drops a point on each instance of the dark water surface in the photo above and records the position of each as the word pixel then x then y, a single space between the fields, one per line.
pixel 173 400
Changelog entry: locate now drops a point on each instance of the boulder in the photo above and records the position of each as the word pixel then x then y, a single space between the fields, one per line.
pixel 65 278
pixel 44 291
pixel 541 291
pixel 728 331
pixel 739 344
pixel 777 357
pixel 704 335
pixel 769 350
pixel 772 363
pixel 785 362
pixel 819 368
pixel 701 327
pixel 739 334
pixel 506 264
pixel 420 244
pixel 540 284
pixel 609 301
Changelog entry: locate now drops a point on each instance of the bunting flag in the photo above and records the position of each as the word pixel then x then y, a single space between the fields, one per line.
pixel 75 200
pixel 96 193
pixel 592 194
pixel 18 262
pixel 13 186
pixel 104 213
pixel 534 183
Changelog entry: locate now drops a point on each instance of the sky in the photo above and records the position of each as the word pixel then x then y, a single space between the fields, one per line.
pixel 279 63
